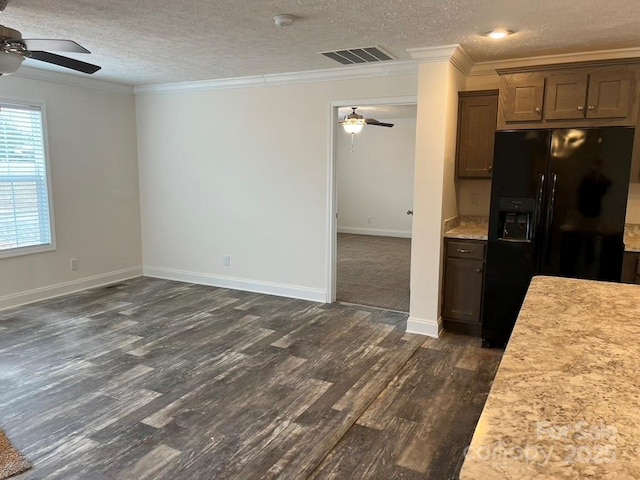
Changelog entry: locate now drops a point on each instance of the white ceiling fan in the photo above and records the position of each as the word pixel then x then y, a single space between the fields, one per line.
pixel 14 49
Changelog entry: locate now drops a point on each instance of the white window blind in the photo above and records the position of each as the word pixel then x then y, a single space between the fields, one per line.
pixel 25 219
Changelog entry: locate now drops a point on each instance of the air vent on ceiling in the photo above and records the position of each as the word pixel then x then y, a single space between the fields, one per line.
pixel 358 55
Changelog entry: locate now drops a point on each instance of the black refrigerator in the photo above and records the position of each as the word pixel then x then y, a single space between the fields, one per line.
pixel 558 206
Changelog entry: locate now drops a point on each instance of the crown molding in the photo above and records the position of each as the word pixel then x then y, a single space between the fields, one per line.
pixel 489 68
pixel 73 80
pixel 382 69
pixel 445 53
pixel 451 53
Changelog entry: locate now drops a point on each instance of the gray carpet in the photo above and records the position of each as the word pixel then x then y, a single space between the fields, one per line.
pixel 374 271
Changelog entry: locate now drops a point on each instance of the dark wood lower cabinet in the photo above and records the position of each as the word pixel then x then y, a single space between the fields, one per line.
pixel 631 268
pixel 463 285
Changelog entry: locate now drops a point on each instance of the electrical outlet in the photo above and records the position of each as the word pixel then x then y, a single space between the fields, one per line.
pixel 369 220
pixel 474 199
pixel 74 264
pixel 227 260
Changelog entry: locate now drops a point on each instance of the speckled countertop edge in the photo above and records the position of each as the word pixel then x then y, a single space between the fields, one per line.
pixel 564 403
pixel 476 228
pixel 470 228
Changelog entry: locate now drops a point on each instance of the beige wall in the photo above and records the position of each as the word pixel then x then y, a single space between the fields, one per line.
pixel 434 197
pixel 374 178
pixel 244 172
pixel 633 204
pixel 93 158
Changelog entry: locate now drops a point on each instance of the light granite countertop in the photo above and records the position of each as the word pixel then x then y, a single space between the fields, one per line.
pixel 476 228
pixel 564 403
pixel 469 228
pixel 632 238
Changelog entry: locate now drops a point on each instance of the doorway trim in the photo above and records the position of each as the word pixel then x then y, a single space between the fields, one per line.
pixel 332 199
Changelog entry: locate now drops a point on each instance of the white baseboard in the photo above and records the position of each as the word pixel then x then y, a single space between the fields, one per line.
pixel 290 291
pixel 59 289
pixel 375 231
pixel 430 328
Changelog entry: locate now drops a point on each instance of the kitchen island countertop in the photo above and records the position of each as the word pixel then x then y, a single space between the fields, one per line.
pixel 564 403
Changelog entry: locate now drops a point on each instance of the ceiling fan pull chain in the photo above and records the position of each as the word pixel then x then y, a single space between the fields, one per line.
pixel 352 143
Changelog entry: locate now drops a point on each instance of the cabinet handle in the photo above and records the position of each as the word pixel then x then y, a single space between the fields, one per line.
pixel 538 110
pixel 580 108
pixel 478 270
pixel 591 107
pixel 463 250
pixel 490 168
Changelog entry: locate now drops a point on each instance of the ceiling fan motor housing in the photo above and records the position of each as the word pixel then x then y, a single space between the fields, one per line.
pixel 7 33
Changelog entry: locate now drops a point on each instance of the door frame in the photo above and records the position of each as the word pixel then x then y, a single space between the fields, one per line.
pixel 332 191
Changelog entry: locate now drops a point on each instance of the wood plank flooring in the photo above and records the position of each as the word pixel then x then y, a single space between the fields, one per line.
pixel 152 379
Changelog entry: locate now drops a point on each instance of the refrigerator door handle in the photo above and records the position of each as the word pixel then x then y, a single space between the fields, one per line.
pixel 552 202
pixel 538 214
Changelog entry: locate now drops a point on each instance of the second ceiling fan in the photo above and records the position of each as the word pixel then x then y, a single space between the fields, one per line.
pixel 354 122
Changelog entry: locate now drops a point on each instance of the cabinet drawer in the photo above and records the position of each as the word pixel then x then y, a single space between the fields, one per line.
pixel 462 249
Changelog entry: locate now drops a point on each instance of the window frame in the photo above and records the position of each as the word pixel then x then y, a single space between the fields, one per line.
pixel 34 249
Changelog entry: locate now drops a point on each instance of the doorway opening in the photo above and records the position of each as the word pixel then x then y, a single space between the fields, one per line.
pixel 372 191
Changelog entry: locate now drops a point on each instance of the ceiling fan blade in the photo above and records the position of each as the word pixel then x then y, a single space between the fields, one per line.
pixel 40 44
pixel 65 62
pixel 373 121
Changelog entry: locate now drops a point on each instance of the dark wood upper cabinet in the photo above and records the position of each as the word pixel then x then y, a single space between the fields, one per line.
pixel 521 97
pixel 610 94
pixel 565 98
pixel 477 117
pixel 586 94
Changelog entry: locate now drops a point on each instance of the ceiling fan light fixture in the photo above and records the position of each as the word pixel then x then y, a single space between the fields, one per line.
pixel 10 62
pixel 498 33
pixel 283 20
pixel 353 125
pixel 353 122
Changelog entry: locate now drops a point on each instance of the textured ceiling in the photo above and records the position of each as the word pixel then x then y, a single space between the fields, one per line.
pixel 160 41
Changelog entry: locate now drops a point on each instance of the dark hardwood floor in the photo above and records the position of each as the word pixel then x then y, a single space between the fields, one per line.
pixel 152 379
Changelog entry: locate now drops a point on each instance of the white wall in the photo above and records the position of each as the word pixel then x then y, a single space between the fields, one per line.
pixel 243 172
pixel 375 179
pixel 435 196
pixel 92 146
pixel 474 197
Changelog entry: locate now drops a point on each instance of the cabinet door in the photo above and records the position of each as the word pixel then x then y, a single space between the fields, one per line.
pixel 463 290
pixel 610 94
pixel 630 267
pixel 521 96
pixel 477 117
pixel 565 96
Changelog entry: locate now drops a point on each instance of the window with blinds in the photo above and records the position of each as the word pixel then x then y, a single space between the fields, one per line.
pixel 25 217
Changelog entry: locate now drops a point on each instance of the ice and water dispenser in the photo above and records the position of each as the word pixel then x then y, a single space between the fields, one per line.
pixel 516 219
